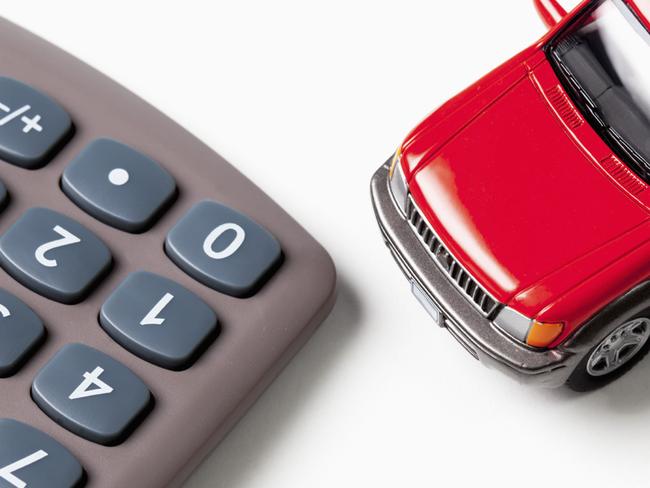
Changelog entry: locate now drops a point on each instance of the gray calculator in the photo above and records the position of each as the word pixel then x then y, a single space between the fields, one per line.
pixel 149 292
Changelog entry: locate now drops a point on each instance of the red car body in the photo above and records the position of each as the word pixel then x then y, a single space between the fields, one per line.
pixel 519 210
pixel 527 195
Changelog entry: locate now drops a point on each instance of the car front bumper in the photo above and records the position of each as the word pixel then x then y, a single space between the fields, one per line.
pixel 474 331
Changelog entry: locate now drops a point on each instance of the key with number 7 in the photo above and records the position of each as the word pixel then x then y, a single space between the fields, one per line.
pixel 30 458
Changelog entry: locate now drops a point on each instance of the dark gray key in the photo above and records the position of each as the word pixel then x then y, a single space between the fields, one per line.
pixel 118 185
pixel 31 459
pixel 32 125
pixel 91 394
pixel 159 320
pixel 54 255
pixel 223 249
pixel 21 331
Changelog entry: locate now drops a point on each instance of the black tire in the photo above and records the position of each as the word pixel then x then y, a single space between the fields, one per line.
pixel 582 381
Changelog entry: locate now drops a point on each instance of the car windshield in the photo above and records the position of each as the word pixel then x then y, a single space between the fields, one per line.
pixel 604 60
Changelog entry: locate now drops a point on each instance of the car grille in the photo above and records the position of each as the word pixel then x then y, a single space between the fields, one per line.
pixel 476 294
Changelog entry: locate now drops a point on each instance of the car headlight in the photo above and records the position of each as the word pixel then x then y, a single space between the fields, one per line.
pixel 527 331
pixel 397 183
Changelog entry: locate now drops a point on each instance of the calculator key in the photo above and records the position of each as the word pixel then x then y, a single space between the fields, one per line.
pixel 54 255
pixel 32 125
pixel 223 249
pixel 118 185
pixel 31 459
pixel 91 394
pixel 159 320
pixel 21 331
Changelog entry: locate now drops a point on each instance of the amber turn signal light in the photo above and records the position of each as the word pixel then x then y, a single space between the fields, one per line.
pixel 542 335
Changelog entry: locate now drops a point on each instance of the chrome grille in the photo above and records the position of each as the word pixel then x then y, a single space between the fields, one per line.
pixel 481 299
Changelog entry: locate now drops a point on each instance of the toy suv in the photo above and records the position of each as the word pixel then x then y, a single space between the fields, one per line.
pixel 519 210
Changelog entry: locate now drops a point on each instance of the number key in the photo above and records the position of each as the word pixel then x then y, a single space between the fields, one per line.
pixel 159 320
pixel 223 249
pixel 21 331
pixel 91 394
pixel 31 459
pixel 54 255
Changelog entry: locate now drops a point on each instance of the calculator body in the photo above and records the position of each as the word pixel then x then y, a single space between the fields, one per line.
pixel 192 409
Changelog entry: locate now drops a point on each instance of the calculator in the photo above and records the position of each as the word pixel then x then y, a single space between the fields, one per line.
pixel 149 292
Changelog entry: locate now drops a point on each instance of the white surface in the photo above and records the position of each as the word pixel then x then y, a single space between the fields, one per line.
pixel 324 92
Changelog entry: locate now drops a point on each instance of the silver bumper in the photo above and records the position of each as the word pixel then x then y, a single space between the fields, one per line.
pixel 475 332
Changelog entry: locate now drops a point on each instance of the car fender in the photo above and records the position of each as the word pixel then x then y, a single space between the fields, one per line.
pixel 628 306
pixel 584 301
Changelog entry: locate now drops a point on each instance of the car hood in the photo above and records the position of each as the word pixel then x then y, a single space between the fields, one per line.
pixel 516 199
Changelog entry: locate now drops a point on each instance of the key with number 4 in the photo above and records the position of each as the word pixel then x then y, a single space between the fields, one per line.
pixel 91 394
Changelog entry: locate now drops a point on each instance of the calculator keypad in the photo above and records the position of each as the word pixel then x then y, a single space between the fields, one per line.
pixel 53 255
pixel 118 185
pixel 31 459
pixel 32 125
pixel 91 394
pixel 223 249
pixel 162 322
pixel 159 320
pixel 21 331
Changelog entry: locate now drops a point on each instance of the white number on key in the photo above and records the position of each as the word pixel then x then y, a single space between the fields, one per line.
pixel 91 386
pixel 231 248
pixel 7 473
pixel 67 238
pixel 152 317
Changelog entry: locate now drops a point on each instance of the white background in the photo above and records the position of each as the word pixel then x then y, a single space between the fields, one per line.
pixel 308 99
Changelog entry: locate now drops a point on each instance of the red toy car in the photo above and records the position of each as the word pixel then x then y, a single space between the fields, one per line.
pixel 520 209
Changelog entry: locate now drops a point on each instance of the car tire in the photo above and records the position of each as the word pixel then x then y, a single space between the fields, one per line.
pixel 614 355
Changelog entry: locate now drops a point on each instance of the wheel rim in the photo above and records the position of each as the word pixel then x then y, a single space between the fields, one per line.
pixel 619 347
